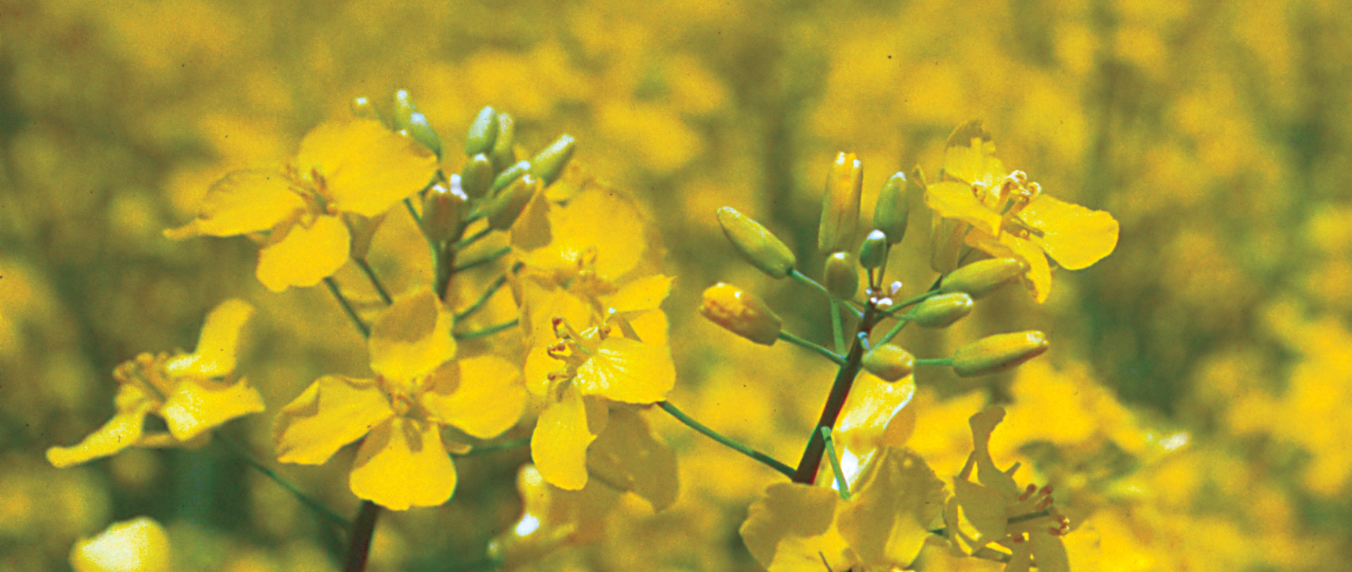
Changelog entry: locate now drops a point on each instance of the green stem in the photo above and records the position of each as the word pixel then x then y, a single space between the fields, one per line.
pixel 496 254
pixel 471 239
pixel 803 279
pixel 896 329
pixel 488 293
pixel 359 543
pixel 946 362
pixel 290 487
pixel 726 442
pixel 496 447
pixel 840 389
pixel 413 212
pixel 837 328
pixel 909 302
pixel 375 280
pixel 833 356
pixel 465 336
pixel 347 307
pixel 445 269
pixel 843 487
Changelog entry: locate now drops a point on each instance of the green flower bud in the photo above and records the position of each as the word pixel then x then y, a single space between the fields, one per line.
pixel 507 206
pixel 510 174
pixel 741 313
pixel 482 132
pixel 873 252
pixel 503 152
pixel 409 121
pixel 981 277
pixel 551 160
pixel 893 210
pixel 941 311
pixel 441 211
pixel 889 362
pixel 756 244
pixel 840 204
pixel 994 354
pixel 362 108
pixel 476 177
pixel 841 275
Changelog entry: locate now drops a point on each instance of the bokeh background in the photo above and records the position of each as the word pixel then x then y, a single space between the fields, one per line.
pixel 1192 412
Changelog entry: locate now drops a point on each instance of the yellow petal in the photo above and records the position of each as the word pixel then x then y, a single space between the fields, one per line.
pixel 137 545
pixel 1049 552
pixel 983 507
pixel 412 337
pixel 645 293
pixel 815 554
pixel 216 347
pixel 786 510
pixel 968 155
pixel 629 371
pixel 120 432
pixel 887 520
pixel 1074 236
pixel 871 405
pixel 483 395
pixel 544 301
pixel 956 201
pixel 559 444
pixel 197 405
pixel 402 464
pixel 332 412
pixel 305 255
pixel 366 167
pixel 531 229
pixel 537 369
pixel 651 327
pixel 1038 278
pixel 628 456
pixel 598 219
pixel 983 424
pixel 242 202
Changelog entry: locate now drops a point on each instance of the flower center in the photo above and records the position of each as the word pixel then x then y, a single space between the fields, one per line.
pixel 148 373
pixel 1008 197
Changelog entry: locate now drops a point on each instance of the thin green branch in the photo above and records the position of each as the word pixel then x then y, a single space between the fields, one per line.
pixel 471 239
pixel 795 340
pixel 803 279
pixel 841 485
pixel 483 299
pixel 290 487
pixel 896 329
pixel 726 442
pixel 465 336
pixel 496 447
pixel 946 362
pixel 837 328
pixel 375 280
pixel 413 212
pixel 496 254
pixel 347 307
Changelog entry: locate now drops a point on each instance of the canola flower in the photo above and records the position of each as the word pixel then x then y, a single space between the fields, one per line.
pixel 343 168
pixel 193 393
pixel 418 388
pixel 977 202
pixel 137 545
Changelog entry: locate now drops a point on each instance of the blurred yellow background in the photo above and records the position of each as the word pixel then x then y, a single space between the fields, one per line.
pixel 1214 131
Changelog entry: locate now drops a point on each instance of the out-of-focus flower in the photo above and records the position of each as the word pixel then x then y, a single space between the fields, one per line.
pixel 192 392
pixel 1004 214
pixel 137 545
pixel 357 167
pixel 418 388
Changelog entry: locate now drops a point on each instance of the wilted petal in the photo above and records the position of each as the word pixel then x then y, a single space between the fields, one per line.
pixel 403 464
pixel 217 346
pixel 629 371
pixel 367 168
pixel 1074 236
pixel 332 412
pixel 197 405
pixel 243 202
pixel 305 255
pixel 559 444
pixel 627 455
pixel 483 395
pixel 412 337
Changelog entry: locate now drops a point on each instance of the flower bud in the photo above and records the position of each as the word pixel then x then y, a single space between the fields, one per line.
pixel 441 211
pixel 510 174
pixel 408 120
pixel 889 362
pixel 507 206
pixel 756 244
pixel 840 204
pixel 139 545
pixel 482 132
pixel 741 313
pixel 841 275
pixel 980 278
pixel 476 177
pixel 362 108
pixel 873 252
pixel 893 210
pixel 551 160
pixel 994 354
pixel 941 311
pixel 503 152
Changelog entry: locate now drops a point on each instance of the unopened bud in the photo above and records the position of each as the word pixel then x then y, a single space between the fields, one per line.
pixel 551 160
pixel 756 243
pixel 741 313
pixel 482 132
pixel 840 204
pixel 942 310
pixel 841 275
pixel 507 206
pixel 441 211
pixel 476 177
pixel 873 252
pixel 889 362
pixel 409 121
pixel 980 278
pixel 510 174
pixel 994 354
pixel 503 152
pixel 893 210
pixel 362 108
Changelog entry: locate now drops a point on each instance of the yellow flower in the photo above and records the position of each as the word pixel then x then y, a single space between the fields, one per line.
pixel 1004 214
pixel 357 167
pixel 137 545
pixel 1024 521
pixel 191 392
pixel 418 388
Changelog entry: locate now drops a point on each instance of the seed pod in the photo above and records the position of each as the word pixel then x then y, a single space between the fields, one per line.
pixel 441 211
pixel 551 160
pixel 476 177
pixel 741 313
pixel 889 362
pixel 507 206
pixel 873 252
pixel 482 133
pixel 893 210
pixel 994 354
pixel 503 152
pixel 756 244
pixel 942 310
pixel 982 277
pixel 840 204
pixel 841 275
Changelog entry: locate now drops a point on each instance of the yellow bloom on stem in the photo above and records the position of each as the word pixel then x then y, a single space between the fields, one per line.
pixel 1004 214
pixel 418 388
pixel 357 167
pixel 137 545
pixel 193 393
pixel 1024 521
